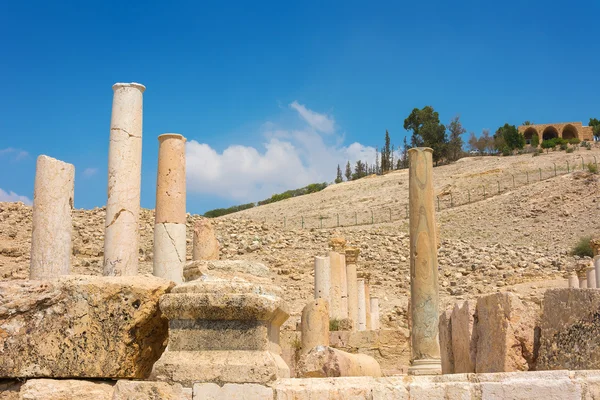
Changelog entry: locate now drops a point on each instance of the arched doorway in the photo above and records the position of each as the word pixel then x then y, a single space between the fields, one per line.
pixel 528 134
pixel 550 133
pixel 569 132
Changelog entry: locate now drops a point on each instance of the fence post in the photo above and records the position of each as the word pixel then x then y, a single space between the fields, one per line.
pixel 554 169
pixel 595 161
pixel 582 164
pixel 407 211
pixel 451 200
pixel 527 172
pixel 284 222
pixel 303 222
pixel 338 220
pixel 568 167
pixel 390 215
pixel 469 190
pixel 321 218
pixel 372 220
pixel 498 187
pixel 438 199
pixel 513 180
pixel 355 219
pixel 483 192
pixel 540 174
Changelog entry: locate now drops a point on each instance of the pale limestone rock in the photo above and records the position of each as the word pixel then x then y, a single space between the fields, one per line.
pixel 140 390
pixel 222 331
pixel 352 288
pixel 549 385
pixel 85 326
pixel 205 243
pixel 445 328
pixel 362 307
pixel 315 325
pixel 232 391
pixel 505 334
pixel 51 243
pixel 464 337
pixel 368 306
pixel 337 244
pixel 375 313
pixel 121 235
pixel 9 390
pixel 322 278
pixel 423 265
pixel 355 388
pixel 226 269
pixel 570 330
pixel 338 272
pixel 169 251
pixel 66 389
pixel 323 361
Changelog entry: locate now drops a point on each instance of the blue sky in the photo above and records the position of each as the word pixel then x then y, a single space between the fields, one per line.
pixel 272 95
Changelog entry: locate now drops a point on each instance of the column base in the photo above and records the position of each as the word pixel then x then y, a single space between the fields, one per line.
pixel 426 366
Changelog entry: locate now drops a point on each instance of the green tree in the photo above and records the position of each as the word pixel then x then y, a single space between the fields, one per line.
pixel 526 123
pixel 404 162
pixel 455 141
pixel 512 138
pixel 487 141
pixel 535 141
pixel 377 166
pixel 427 131
pixel 339 178
pixel 348 172
pixel 595 124
pixel 473 142
pixel 360 170
pixel 385 154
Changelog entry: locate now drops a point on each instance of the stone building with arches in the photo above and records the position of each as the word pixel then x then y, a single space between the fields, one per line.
pixel 565 130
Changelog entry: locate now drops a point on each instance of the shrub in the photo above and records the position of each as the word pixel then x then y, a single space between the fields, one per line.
pixel 593 168
pixel 574 141
pixel 583 248
pixel 217 212
pixel 564 146
pixel 334 325
pixel 536 154
pixel 505 151
pixel 569 150
pixel 540 151
pixel 584 144
pixel 589 147
pixel 560 141
pixel 548 144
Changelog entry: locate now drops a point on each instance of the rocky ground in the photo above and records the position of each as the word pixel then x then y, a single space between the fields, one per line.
pixel 516 240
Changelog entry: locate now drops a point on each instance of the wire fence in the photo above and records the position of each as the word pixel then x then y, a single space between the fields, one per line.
pixel 445 200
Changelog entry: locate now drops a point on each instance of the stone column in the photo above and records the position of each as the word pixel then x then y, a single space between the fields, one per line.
pixel 375 313
pixel 344 287
pixel 591 277
pixel 170 216
pixel 362 309
pixel 315 325
pixel 368 304
pixel 322 278
pixel 582 276
pixel 335 294
pixel 51 244
pixel 121 235
pixel 597 268
pixel 425 358
pixel 351 257
pixel 573 280
pixel 205 243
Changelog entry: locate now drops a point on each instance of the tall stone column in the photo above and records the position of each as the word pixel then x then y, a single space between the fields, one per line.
pixel 315 325
pixel 121 235
pixel 51 244
pixel 597 268
pixel 573 280
pixel 582 276
pixel 344 286
pixel 591 277
pixel 362 309
pixel 375 313
pixel 205 245
pixel 322 278
pixel 170 216
pixel 425 358
pixel 368 304
pixel 335 293
pixel 351 258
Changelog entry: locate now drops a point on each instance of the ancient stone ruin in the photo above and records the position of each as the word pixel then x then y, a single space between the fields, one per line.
pixel 211 329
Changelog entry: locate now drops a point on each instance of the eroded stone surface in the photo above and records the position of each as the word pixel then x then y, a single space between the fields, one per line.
pixel 205 243
pixel 324 361
pixel 85 326
pixel 226 269
pixel 231 391
pixel 570 328
pixel 505 334
pixel 464 337
pixel 67 389
pixel 139 390
pixel 446 353
pixel 315 325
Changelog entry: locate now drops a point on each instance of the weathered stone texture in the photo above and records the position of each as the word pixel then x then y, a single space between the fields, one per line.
pixel 69 389
pixel 226 269
pixel 446 353
pixel 232 391
pixel 505 334
pixel 9 390
pixel 205 243
pixel 464 337
pixel 82 326
pixel 570 330
pixel 323 361
pixel 315 325
pixel 139 390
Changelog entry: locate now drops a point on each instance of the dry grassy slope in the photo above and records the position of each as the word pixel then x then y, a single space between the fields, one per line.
pixel 519 236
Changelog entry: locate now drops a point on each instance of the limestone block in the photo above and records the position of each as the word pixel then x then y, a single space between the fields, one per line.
pixel 205 243
pixel 140 390
pixel 169 251
pixel 315 325
pixel 323 361
pixel 505 334
pixel 322 278
pixel 338 271
pixel 464 337
pixel 85 326
pixel 9 390
pixel 66 389
pixel 570 329
pixel 529 386
pixel 226 269
pixel 355 388
pixel 232 391
pixel 445 328
pixel 455 387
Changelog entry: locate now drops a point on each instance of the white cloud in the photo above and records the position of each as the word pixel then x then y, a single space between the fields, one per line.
pixel 287 159
pixel 319 122
pixel 89 172
pixel 12 196
pixel 17 154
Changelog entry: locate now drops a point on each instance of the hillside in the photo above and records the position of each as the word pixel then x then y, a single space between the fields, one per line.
pixel 521 235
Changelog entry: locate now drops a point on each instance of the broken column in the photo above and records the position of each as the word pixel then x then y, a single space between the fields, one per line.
pixel 582 276
pixel 322 278
pixel 324 361
pixel 338 279
pixel 205 243
pixel 51 244
pixel 573 280
pixel 591 277
pixel 351 257
pixel 375 313
pixel 315 325
pixel 595 245
pixel 362 309
pixel 368 305
pixel 124 180
pixel 170 217
pixel 425 357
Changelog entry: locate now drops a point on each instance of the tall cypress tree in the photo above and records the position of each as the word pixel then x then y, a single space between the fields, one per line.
pixel 339 178
pixel 385 154
pixel 348 172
